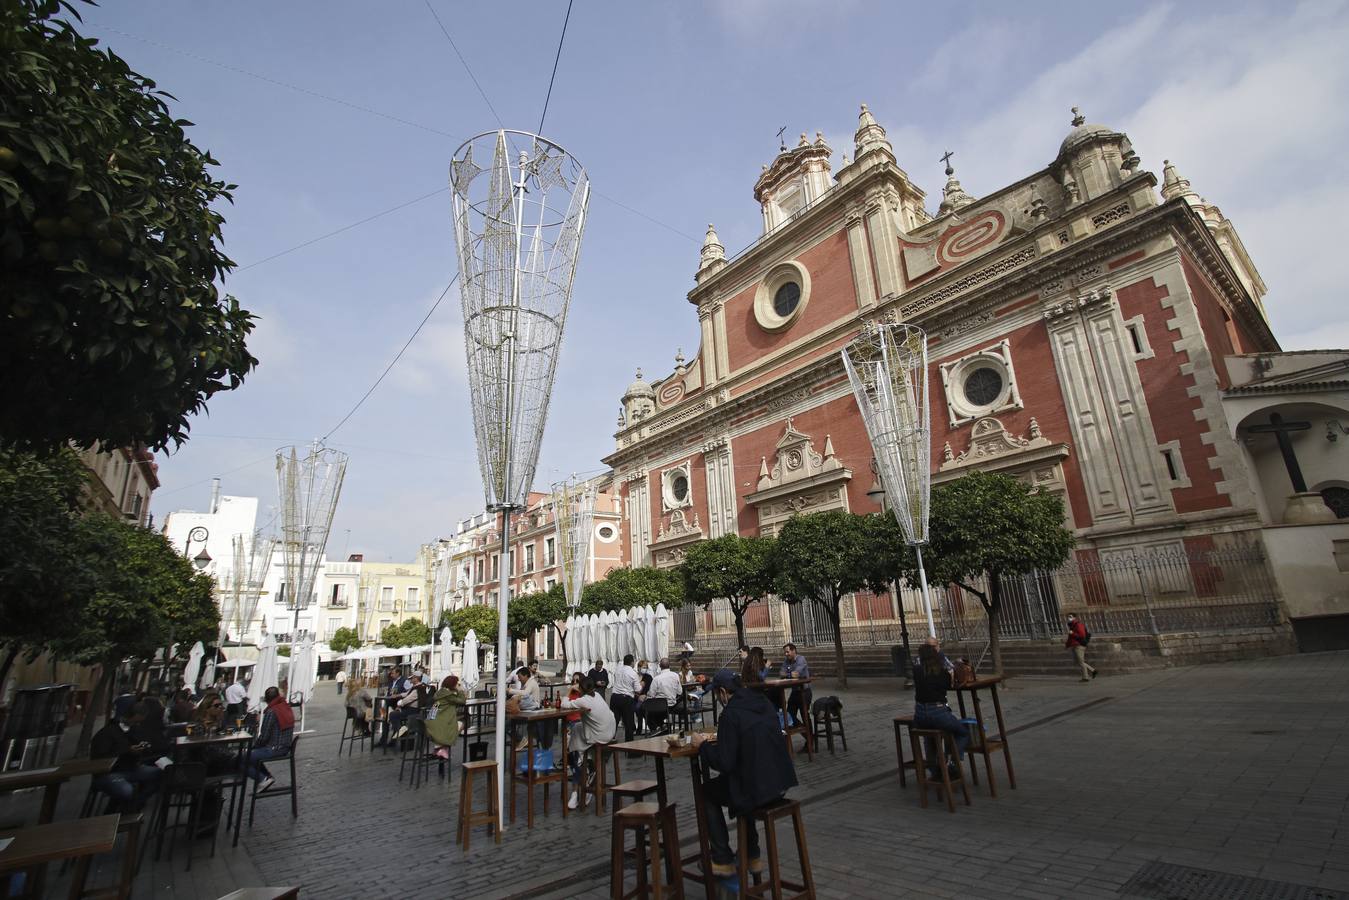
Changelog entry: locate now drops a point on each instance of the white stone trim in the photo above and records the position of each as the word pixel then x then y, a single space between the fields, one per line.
pixel 668 501
pixel 1182 479
pixel 783 273
pixel 1137 331
pixel 953 374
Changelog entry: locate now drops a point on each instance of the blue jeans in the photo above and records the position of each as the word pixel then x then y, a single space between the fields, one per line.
pixel 717 794
pixel 256 757
pixel 129 789
pixel 939 716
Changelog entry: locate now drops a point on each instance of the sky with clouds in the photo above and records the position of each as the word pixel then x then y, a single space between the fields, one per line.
pixel 326 114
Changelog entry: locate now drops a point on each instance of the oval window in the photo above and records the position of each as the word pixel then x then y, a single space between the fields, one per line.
pixel 786 299
pixel 679 487
pixel 983 386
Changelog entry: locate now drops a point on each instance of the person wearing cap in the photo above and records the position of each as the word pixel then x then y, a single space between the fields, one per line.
pixel 753 765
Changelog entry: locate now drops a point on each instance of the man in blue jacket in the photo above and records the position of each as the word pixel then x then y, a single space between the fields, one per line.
pixel 755 769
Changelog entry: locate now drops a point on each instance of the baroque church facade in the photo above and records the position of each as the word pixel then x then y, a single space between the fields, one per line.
pixel 1078 320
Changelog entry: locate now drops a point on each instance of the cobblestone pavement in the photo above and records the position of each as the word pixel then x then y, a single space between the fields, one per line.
pixel 1241 768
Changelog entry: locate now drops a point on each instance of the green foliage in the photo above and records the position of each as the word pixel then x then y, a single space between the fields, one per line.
pixel 823 557
pixel 994 525
pixel 408 633
pixel 143 596
pixel 625 588
pixel 113 327
pixel 283 651
pixel 481 618
pixel 525 615
pixel 985 525
pixel 344 640
pixel 737 568
pixel 42 584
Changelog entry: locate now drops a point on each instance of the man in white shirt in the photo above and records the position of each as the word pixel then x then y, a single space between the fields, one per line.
pixel 597 726
pixel 664 686
pixel 623 701
pixel 236 695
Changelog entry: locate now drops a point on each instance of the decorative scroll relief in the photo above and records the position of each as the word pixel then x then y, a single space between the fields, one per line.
pixel 671 392
pixel 989 439
pixel 958 245
pixel 673 540
pixel 968 282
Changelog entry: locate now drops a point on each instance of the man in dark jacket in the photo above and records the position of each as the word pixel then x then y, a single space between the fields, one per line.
pixel 755 769
pixel 132 778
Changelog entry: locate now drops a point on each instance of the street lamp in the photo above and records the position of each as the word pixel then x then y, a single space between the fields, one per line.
pixel 202 559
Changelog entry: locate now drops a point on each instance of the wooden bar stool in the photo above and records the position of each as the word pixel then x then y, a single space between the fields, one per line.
pixel 602 755
pixel 638 789
pixel 774 884
pixel 829 718
pixel 943 741
pixel 467 816
pixel 902 722
pixel 656 825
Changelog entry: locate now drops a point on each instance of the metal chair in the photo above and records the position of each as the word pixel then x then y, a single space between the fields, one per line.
pixel 356 735
pixel 288 790
pixel 183 787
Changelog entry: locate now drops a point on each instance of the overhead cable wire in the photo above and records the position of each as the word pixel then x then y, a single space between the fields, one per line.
pixel 394 361
pixel 553 77
pixel 324 237
pixel 455 47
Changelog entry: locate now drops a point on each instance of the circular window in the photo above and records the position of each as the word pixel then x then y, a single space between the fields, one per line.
pixel 679 487
pixel 786 299
pixel 983 386
pixel 606 533
pixel 782 296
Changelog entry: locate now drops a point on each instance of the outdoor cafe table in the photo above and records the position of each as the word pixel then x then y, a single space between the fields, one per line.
pixel 984 743
pixel 529 776
pixel 660 749
pixel 241 740
pixel 781 689
pixel 51 779
pixel 37 845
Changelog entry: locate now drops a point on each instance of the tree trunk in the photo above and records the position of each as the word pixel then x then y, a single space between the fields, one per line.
pixel 561 644
pixel 834 619
pixel 739 613
pixel 101 689
pixel 10 655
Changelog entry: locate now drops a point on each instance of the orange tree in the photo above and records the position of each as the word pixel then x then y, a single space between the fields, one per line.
pixel 112 327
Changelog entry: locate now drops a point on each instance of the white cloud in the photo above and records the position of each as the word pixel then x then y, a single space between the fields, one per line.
pixel 436 357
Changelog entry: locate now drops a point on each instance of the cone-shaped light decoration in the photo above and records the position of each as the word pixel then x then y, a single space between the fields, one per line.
pixel 887 367
pixel 250 564
pixel 519 212
pixel 574 516
pixel 308 486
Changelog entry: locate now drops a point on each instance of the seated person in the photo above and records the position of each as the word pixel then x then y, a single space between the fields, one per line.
pixel 931 681
pixel 410 706
pixel 664 687
pixel 360 702
pixel 398 689
pixel 133 778
pixel 274 737
pixel 753 765
pixel 182 710
pixel 210 712
pixel 597 727
pixel 442 722
pixel 529 694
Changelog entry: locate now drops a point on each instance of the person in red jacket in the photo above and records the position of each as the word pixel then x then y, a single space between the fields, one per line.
pixel 1078 637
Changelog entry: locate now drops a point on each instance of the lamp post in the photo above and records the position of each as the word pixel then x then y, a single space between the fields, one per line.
pixel 199 535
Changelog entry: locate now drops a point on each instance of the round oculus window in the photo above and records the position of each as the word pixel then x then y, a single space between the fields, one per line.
pixel 606 532
pixel 786 299
pixel 983 386
pixel 679 487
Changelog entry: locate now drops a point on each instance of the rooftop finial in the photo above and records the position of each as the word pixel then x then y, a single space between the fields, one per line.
pixel 946 158
pixel 782 143
pixel 1078 118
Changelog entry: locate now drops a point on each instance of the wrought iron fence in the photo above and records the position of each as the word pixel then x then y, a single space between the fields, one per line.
pixel 1129 590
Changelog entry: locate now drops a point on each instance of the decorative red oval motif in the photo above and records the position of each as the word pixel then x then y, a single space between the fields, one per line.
pixel 670 392
pixel 961 243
